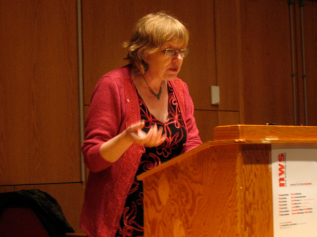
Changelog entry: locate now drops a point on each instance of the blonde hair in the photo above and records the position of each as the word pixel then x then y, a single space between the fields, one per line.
pixel 150 33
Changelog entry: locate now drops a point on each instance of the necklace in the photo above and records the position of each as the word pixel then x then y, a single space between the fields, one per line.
pixel 156 95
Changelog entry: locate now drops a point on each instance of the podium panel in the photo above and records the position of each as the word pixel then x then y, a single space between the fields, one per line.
pixel 222 188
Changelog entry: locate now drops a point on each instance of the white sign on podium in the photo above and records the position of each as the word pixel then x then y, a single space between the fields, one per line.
pixel 294 182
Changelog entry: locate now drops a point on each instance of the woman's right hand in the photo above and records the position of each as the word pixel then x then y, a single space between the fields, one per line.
pixel 152 138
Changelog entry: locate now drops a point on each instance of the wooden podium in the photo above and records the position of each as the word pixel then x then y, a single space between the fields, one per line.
pixel 222 188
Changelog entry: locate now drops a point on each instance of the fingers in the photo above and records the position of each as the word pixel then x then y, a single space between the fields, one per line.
pixel 162 139
pixel 155 137
pixel 159 138
pixel 135 127
pixel 152 138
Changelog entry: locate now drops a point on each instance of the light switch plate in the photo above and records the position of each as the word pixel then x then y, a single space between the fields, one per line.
pixel 215 95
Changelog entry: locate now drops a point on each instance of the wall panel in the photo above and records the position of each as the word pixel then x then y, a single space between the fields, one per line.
pixel 228 118
pixel 39 130
pixel 228 56
pixel 266 62
pixel 206 122
pixel 310 37
pixel 4 189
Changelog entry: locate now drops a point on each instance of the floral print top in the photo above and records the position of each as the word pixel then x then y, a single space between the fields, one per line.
pixel 131 223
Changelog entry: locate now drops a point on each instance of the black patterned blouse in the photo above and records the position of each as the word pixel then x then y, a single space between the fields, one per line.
pixel 131 223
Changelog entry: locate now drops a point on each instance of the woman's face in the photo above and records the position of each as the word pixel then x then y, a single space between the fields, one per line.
pixel 165 67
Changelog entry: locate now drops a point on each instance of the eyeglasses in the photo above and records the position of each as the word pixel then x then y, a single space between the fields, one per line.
pixel 174 52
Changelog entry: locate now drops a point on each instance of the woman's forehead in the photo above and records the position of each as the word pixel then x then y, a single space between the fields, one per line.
pixel 176 44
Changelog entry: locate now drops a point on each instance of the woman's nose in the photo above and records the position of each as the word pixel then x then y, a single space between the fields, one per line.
pixel 178 56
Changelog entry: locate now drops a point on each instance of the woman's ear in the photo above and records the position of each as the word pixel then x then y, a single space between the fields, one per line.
pixel 145 56
pixel 144 63
pixel 145 66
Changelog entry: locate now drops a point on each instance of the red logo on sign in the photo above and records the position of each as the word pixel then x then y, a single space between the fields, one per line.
pixel 281 170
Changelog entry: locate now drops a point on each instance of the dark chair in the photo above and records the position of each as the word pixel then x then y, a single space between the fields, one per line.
pixel 30 213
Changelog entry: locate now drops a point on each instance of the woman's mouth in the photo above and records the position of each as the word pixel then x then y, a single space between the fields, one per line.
pixel 174 69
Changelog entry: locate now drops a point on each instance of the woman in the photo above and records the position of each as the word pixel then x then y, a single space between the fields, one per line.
pixel 140 116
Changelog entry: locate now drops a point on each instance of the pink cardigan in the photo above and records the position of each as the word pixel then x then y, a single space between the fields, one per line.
pixel 114 107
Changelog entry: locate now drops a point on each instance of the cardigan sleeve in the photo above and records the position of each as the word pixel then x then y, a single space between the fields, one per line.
pixel 103 122
pixel 193 139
